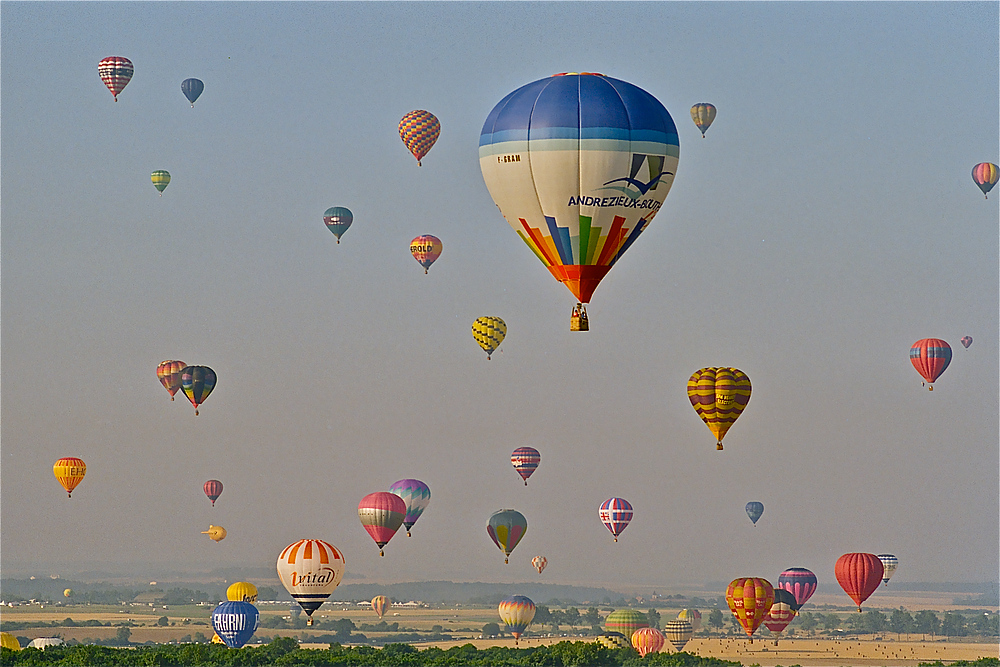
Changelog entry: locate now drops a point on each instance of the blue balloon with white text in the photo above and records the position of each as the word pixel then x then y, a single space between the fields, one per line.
pixel 235 622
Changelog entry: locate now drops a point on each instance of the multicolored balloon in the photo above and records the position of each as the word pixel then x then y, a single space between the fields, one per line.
pixel 755 511
pixel 235 622
pixel 197 383
pixel 525 460
pixel 68 592
pixel 719 396
pixel 615 513
pixel 169 375
pixel 379 604
pixel 782 611
pixel 516 612
pixel 416 495
pixel 310 570
pixel 703 114
pixel 69 471
pixel 426 249
pixel 161 179
pixel 692 616
pixel 859 575
pixel 489 332
pixel 213 489
pixel 116 72
pixel 579 164
pixel 215 533
pixel 242 591
pixel 419 130
pixel 678 632
pixel 338 219
pixel 966 341
pixel 381 514
pixel 889 565
pixel 800 582
pixel 626 621
pixel 985 175
pixel 750 598
pixel 647 640
pixel 506 528
pixel 192 89
pixel 539 563
pixel 930 356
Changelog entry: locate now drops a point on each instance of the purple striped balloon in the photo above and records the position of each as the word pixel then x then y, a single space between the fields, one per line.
pixel 800 582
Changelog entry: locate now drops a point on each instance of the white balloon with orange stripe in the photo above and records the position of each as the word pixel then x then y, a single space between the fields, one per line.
pixel 310 570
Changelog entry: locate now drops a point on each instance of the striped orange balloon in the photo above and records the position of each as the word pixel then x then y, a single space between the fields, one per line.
pixel 719 396
pixel 69 471
pixel 647 640
pixel 750 599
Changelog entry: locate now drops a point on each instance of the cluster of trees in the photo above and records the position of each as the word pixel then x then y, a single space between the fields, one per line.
pixel 571 616
pixel 285 652
pixel 900 621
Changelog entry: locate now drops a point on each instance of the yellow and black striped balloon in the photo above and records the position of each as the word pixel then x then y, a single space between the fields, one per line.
pixel 719 396
pixel 489 332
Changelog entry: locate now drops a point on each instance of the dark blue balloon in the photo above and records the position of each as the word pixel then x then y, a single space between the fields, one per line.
pixel 755 510
pixel 235 622
pixel 192 88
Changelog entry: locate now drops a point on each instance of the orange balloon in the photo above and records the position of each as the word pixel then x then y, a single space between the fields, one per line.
pixel 69 471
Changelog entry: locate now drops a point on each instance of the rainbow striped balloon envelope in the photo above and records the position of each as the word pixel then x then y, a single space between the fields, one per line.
pixel 419 130
pixel 169 375
pixel 647 640
pixel 525 461
pixel 615 513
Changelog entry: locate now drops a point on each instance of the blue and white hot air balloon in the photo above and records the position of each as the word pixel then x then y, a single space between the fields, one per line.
pixel 755 510
pixel 235 622
pixel 192 89
pixel 579 164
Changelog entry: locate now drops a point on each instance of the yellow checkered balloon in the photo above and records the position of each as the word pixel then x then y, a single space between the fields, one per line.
pixel 489 332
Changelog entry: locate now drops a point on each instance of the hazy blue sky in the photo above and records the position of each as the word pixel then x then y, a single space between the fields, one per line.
pixel 828 221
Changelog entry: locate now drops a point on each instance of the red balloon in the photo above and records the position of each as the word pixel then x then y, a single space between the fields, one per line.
pixel 859 575
pixel 930 356
pixel 213 489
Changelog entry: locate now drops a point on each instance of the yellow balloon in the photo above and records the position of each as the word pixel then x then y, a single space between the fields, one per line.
pixel 216 639
pixel 67 592
pixel 217 533
pixel 69 471
pixel 719 396
pixel 242 591
pixel 489 332
pixel 8 640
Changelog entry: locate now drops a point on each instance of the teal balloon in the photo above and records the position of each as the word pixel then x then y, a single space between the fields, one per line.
pixel 337 220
